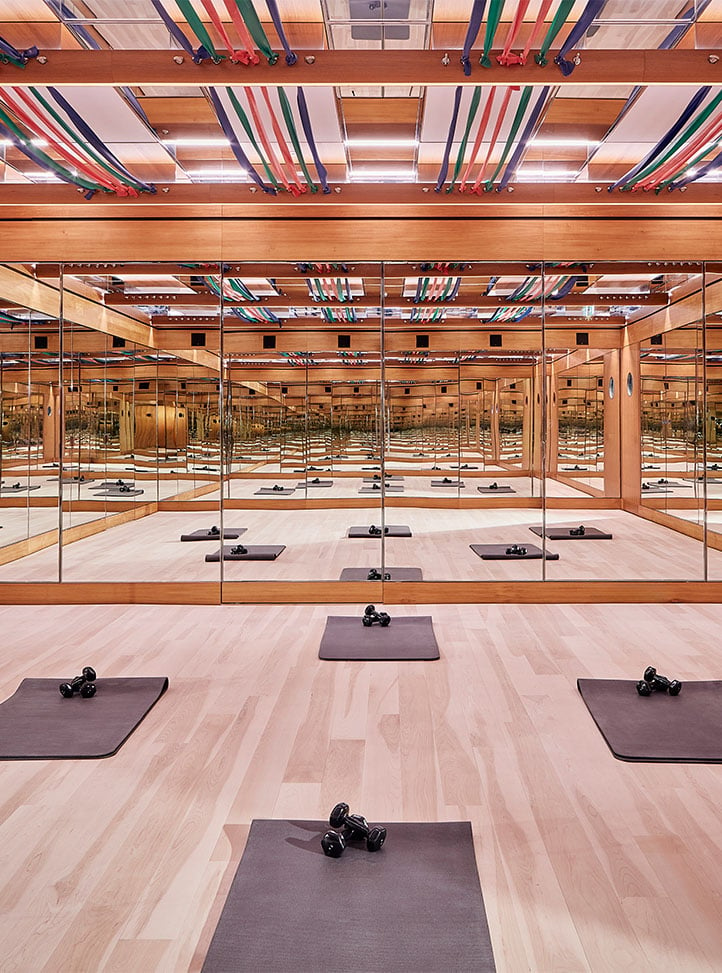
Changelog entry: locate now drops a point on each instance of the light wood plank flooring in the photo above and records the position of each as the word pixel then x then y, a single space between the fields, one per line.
pixel 586 863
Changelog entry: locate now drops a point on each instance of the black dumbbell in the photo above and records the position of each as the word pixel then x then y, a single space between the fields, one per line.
pixel 376 531
pixel 239 549
pixel 355 828
pixel 494 485
pixel 214 530
pixel 277 487
pixel 83 684
pixel 653 682
pixel 579 531
pixel 516 550
pixel 370 616
pixel 375 575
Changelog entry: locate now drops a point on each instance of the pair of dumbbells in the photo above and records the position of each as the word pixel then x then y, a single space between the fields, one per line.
pixel 354 827
pixel 653 682
pixel 239 549
pixel 371 617
pixel 83 684
pixel 376 531
pixel 375 575
pixel 579 531
pixel 516 550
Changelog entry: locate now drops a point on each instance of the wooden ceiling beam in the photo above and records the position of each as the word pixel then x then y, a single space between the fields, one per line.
pixel 577 299
pixel 356 199
pixel 392 271
pixel 355 67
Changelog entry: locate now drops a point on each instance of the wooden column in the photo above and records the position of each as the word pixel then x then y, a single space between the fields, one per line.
pixel 629 424
pixel 612 438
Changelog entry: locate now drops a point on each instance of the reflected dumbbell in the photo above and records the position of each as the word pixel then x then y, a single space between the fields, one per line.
pixel 371 617
pixel 83 684
pixel 653 682
pixel 516 550
pixel 355 828
pixel 579 531
pixel 239 549
pixel 376 531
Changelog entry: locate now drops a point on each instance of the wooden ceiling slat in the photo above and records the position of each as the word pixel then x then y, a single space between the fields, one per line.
pixel 380 111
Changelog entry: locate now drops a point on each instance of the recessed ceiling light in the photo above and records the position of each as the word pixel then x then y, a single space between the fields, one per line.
pixel 382 175
pixel 196 143
pixel 381 143
pixel 580 143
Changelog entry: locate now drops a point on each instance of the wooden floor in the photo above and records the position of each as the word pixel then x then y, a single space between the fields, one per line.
pixel 586 862
pixel 317 549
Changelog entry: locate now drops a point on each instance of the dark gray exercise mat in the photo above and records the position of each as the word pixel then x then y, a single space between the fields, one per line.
pixel 108 484
pixel 315 482
pixel 444 483
pixel 18 488
pixel 563 534
pixel 388 487
pixel 397 574
pixel 117 492
pixel 377 479
pixel 205 535
pixel 415 906
pixel 390 530
pixel 346 638
pixel 497 552
pixel 256 552
pixel 37 723
pixel 270 492
pixel 495 489
pixel 675 729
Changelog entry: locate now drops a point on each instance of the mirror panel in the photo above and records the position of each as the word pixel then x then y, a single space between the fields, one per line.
pixel 673 479
pixel 29 427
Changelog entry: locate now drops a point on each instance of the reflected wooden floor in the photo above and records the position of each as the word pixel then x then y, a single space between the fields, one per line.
pixel 586 863
pixel 317 547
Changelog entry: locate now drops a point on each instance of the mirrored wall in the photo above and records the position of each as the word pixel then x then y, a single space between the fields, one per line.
pixel 274 422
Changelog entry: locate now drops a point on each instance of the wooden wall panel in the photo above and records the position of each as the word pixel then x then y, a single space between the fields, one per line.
pixel 548 237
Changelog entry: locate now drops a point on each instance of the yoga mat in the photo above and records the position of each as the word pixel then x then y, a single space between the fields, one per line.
pixel 397 574
pixel 492 490
pixel 71 479
pixel 675 729
pixel 415 906
pixel 377 479
pixel 391 530
pixel 442 483
pixel 315 482
pixel 110 484
pixel 464 466
pixel 405 639
pixel 205 535
pixel 497 552
pixel 653 489
pixel 117 492
pixel 573 469
pixel 562 534
pixel 37 723
pixel 258 552
pixel 270 492
pixel 18 489
pixel 389 488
